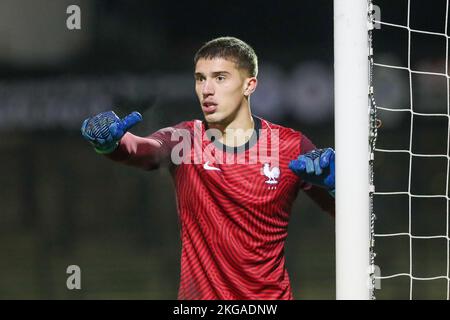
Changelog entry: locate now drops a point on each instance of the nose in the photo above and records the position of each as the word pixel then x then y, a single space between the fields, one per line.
pixel 207 88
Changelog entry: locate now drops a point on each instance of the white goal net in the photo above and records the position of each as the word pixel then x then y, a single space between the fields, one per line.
pixel 411 88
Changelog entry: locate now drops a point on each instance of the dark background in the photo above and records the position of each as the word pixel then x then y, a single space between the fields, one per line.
pixel 62 204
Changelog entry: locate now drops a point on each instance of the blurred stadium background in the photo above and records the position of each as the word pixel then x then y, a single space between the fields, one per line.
pixel 62 204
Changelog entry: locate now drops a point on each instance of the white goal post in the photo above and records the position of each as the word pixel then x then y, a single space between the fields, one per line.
pixel 351 78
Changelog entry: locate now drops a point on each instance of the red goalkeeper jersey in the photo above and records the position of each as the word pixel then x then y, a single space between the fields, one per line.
pixel 233 204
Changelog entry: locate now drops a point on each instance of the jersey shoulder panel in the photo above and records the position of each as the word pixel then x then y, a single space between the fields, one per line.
pixel 289 139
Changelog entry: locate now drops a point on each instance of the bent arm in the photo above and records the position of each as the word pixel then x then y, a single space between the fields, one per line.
pixel 323 199
pixel 319 195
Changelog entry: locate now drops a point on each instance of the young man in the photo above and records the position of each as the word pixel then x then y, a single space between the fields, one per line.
pixel 234 179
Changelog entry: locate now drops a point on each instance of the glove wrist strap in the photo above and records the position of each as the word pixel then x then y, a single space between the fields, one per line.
pixel 106 149
pixel 332 192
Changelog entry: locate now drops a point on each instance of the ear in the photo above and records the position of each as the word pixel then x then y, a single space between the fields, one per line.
pixel 250 86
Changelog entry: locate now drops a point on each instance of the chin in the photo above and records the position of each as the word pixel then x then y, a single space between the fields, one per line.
pixel 213 118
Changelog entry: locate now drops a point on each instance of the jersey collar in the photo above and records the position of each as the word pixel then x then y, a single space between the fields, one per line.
pixel 250 143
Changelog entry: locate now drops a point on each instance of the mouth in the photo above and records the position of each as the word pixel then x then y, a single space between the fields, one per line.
pixel 209 107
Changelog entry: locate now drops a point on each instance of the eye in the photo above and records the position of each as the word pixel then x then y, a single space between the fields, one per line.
pixel 220 78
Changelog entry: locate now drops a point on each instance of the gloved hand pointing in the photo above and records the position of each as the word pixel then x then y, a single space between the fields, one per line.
pixel 105 130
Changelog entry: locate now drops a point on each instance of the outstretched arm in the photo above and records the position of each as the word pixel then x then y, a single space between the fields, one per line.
pixel 108 135
pixel 143 152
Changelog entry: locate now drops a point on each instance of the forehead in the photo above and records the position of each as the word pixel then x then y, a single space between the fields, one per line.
pixel 215 65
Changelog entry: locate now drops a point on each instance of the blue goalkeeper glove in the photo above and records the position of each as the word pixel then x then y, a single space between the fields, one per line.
pixel 105 130
pixel 316 167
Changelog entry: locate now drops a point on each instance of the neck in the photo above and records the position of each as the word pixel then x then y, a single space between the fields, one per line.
pixel 238 130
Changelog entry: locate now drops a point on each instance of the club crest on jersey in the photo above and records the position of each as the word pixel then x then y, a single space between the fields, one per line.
pixel 271 173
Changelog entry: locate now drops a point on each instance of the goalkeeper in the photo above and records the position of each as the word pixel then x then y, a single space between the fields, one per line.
pixel 233 216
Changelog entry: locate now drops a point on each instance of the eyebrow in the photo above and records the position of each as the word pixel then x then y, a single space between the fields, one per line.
pixel 214 74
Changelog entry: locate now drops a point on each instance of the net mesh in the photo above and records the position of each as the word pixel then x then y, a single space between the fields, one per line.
pixel 425 251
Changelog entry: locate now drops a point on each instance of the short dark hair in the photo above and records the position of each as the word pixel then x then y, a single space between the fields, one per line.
pixel 230 48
